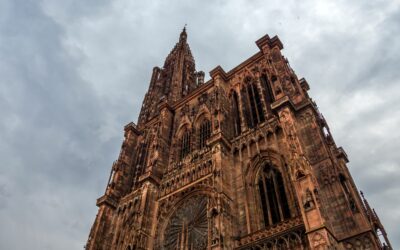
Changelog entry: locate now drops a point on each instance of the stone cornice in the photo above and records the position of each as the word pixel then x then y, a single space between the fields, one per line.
pixel 271 232
pixel 132 127
pixel 149 176
pixel 106 200
pixel 220 138
pixel 218 71
pixel 271 42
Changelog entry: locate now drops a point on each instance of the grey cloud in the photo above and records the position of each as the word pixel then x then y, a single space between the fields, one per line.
pixel 50 144
pixel 74 72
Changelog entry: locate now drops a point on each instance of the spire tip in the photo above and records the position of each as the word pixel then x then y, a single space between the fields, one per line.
pixel 183 34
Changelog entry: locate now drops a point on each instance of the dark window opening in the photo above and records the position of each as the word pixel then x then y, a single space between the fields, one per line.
pixel 343 183
pixel 185 145
pixel 273 197
pixel 273 201
pixel 205 133
pixel 257 100
pixel 282 195
pixel 143 153
pixel 263 201
pixel 252 105
pixel 255 110
pixel 268 90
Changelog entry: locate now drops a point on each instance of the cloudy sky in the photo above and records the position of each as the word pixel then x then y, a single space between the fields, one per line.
pixel 73 73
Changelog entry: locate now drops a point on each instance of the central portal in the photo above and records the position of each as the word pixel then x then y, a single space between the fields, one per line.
pixel 188 226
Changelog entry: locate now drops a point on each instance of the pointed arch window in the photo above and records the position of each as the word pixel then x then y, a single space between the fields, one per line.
pixel 185 144
pixel 256 112
pixel 273 197
pixel 269 96
pixel 143 149
pixel 205 133
pixel 236 113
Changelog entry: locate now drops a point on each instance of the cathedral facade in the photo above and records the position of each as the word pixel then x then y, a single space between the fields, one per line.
pixel 242 161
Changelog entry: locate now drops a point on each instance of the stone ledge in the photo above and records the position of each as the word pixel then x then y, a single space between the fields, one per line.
pixel 106 200
pixel 273 231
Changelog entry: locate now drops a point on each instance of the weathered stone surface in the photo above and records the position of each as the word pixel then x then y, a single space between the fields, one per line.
pixel 242 161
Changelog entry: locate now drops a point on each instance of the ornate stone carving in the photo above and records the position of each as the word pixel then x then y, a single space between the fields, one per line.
pixel 318 241
pixel 188 226
pixel 308 200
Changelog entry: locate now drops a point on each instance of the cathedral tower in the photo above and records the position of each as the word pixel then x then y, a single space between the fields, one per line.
pixel 242 161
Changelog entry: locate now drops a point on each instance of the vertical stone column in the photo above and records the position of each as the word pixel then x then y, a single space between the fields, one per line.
pixel 319 235
pixel 100 237
pixel 263 98
pixel 243 123
pixel 163 139
pixel 223 228
pixel 119 184
pixel 306 187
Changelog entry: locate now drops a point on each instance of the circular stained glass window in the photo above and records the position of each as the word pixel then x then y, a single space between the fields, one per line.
pixel 188 227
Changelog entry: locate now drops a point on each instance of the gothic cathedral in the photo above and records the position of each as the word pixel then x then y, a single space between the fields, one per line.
pixel 242 161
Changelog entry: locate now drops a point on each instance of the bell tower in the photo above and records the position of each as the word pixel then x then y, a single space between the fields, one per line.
pixel 243 161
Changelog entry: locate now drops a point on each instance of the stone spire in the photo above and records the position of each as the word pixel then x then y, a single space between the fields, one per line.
pixel 176 79
pixel 180 63
pixel 183 35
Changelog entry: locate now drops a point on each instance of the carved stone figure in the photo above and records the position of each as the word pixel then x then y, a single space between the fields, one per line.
pixel 308 203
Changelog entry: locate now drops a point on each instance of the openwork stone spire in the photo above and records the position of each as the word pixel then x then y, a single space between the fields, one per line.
pixel 175 80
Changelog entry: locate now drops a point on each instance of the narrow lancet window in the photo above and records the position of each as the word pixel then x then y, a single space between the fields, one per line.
pixel 185 145
pixel 256 115
pixel 273 197
pixel 269 96
pixel 205 133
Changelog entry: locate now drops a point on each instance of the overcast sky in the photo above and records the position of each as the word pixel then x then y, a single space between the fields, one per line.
pixel 73 73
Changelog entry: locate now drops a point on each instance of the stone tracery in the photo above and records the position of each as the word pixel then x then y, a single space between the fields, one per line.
pixel 188 226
